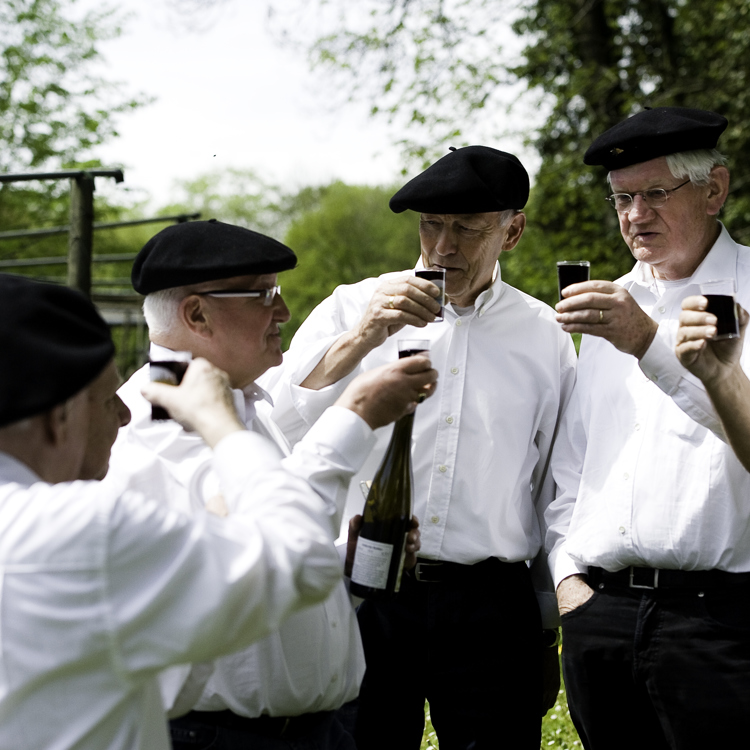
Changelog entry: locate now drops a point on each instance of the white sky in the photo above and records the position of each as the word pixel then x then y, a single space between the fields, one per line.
pixel 228 96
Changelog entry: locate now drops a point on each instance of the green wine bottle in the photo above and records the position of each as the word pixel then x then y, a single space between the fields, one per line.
pixel 379 558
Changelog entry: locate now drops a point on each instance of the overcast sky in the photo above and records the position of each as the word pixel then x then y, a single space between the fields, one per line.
pixel 228 96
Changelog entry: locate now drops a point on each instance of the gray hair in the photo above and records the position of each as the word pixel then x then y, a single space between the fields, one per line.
pixel 160 309
pixel 505 217
pixel 695 166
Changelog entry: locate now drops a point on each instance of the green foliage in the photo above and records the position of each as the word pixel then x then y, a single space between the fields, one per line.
pixel 442 69
pixel 53 109
pixel 348 235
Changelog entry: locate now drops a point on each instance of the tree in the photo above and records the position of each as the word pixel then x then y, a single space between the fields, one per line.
pixel 53 108
pixel 445 67
pixel 350 234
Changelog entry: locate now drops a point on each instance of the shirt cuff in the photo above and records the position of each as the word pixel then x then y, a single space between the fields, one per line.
pixel 660 365
pixel 346 433
pixel 562 565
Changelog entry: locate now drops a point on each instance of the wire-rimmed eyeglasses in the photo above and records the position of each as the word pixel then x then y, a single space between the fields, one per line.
pixel 267 295
pixel 656 198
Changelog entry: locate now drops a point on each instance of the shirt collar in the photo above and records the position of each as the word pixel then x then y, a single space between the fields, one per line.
pixel 13 470
pixel 719 263
pixel 244 399
pixel 488 297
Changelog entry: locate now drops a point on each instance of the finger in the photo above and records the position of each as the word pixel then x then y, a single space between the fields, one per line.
pixel 695 302
pixel 743 316
pixel 689 351
pixel 689 318
pixel 595 285
pixel 695 333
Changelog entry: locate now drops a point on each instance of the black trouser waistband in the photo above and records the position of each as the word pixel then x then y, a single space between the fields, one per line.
pixel 440 571
pixel 286 727
pixel 652 578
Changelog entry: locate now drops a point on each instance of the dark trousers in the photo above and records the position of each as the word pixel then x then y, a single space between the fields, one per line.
pixel 470 645
pixel 659 670
pixel 223 730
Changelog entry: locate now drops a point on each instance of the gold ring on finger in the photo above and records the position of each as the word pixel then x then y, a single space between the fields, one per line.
pixel 601 316
pixel 390 302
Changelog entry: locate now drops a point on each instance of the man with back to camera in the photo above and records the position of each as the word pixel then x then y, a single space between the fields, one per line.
pixel 211 289
pixel 466 621
pixel 103 589
pixel 650 534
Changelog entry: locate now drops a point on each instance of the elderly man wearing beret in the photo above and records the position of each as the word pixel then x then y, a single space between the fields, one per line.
pixel 650 535
pixel 211 289
pixel 102 589
pixel 466 620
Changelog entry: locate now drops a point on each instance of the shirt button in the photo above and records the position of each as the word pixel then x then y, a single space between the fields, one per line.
pixel 662 308
pixel 637 426
pixel 454 370
pixel 626 475
pixel 458 322
pixel 621 529
pixel 435 519
pixel 442 468
pixel 655 377
pixel 449 420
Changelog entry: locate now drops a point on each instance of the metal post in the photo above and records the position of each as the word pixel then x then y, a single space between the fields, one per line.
pixel 81 234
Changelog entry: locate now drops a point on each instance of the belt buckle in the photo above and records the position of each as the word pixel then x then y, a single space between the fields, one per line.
pixel 422 568
pixel 634 585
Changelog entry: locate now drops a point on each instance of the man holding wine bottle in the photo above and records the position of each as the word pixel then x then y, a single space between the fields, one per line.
pixel 650 532
pixel 211 290
pixel 466 624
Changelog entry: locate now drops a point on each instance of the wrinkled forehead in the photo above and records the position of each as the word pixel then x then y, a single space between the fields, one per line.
pixel 641 176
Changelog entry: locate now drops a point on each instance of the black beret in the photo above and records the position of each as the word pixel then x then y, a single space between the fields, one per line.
pixel 198 251
pixel 653 133
pixel 469 180
pixel 54 343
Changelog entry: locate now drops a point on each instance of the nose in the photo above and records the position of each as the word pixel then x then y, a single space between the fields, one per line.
pixel 123 412
pixel 280 311
pixel 445 244
pixel 639 210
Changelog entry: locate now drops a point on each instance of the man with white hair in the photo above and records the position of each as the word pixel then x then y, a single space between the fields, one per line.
pixel 650 532
pixel 211 290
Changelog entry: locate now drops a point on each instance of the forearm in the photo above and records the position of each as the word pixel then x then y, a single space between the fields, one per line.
pixel 731 397
pixel 340 360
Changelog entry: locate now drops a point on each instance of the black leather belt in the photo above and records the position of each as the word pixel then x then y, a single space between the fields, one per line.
pixel 654 578
pixel 287 727
pixel 440 571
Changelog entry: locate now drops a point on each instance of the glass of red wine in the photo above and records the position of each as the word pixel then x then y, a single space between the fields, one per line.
pixel 437 277
pixel 721 303
pixel 571 272
pixel 170 370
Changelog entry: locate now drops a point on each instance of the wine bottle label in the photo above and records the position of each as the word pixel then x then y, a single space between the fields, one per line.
pixel 371 563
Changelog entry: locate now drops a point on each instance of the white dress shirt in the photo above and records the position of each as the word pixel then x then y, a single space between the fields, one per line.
pixel 659 487
pixel 481 442
pixel 314 661
pixel 100 590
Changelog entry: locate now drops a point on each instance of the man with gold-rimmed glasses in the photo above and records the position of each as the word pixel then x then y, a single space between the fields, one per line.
pixel 650 532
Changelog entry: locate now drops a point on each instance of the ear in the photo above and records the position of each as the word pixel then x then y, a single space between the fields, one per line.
pixel 55 423
pixel 194 316
pixel 718 190
pixel 515 230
